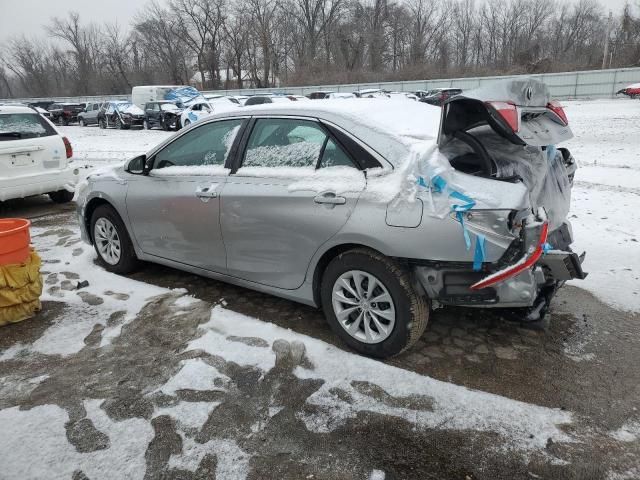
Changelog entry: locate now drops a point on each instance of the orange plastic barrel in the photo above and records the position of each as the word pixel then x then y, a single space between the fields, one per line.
pixel 14 240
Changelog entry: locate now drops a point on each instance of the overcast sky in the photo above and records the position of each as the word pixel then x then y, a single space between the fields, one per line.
pixel 28 16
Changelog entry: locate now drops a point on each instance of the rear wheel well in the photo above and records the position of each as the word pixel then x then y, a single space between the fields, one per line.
pixel 88 212
pixel 322 264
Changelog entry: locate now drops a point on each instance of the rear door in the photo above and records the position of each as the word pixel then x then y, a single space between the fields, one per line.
pixel 174 211
pixel 271 225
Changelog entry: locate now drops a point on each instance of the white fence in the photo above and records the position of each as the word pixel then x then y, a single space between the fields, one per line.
pixel 584 84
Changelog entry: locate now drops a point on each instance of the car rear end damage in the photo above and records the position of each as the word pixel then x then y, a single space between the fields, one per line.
pixel 507 134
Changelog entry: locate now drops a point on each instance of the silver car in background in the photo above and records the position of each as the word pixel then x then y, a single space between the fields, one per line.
pixel 374 211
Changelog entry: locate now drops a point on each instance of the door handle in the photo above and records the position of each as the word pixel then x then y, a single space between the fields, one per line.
pixel 330 198
pixel 206 192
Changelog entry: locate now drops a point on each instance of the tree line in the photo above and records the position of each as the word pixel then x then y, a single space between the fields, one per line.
pixel 263 43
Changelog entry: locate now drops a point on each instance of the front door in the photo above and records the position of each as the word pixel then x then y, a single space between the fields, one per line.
pixel 279 207
pixel 174 211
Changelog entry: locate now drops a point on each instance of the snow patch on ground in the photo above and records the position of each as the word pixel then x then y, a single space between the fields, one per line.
pixel 42 430
pixel 233 462
pixel 629 432
pixel 195 375
pixel 526 426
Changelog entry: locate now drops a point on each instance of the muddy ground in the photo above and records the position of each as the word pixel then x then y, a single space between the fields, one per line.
pixel 585 362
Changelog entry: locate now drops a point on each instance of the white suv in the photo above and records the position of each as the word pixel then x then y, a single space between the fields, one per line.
pixel 34 157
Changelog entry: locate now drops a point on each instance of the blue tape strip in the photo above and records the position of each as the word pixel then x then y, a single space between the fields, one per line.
pixel 421 182
pixel 479 254
pixel 546 248
pixel 439 184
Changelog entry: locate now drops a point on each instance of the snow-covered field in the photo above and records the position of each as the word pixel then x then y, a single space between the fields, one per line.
pixel 606 198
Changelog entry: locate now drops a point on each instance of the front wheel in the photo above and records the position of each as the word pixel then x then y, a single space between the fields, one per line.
pixel 146 125
pixel 119 124
pixel 102 124
pixel 81 122
pixel 187 123
pixel 111 241
pixel 371 304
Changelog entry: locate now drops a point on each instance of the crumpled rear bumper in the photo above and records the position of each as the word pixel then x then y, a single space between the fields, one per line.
pixel 456 284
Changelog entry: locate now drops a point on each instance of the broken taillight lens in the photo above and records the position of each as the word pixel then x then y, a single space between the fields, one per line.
pixel 525 264
pixel 67 147
pixel 509 113
pixel 557 108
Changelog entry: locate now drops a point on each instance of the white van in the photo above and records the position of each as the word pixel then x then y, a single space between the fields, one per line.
pixel 150 93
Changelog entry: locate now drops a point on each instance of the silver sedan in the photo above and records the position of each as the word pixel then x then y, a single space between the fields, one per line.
pixel 374 211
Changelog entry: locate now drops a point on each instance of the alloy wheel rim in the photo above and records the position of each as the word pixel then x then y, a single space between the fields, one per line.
pixel 363 306
pixel 107 240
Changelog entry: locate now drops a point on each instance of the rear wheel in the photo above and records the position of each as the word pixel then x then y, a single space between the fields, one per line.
pixel 61 196
pixel 371 304
pixel 111 241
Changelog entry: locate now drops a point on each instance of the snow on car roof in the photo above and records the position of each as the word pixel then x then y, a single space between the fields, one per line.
pixel 633 85
pixel 16 109
pixel 390 128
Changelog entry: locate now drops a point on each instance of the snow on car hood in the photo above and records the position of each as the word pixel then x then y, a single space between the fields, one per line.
pixel 131 109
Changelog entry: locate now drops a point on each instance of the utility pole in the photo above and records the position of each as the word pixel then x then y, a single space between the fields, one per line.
pixel 606 41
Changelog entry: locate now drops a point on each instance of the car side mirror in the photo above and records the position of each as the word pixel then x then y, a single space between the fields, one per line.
pixel 138 165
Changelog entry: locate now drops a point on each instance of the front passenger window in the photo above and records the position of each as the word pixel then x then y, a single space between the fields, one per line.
pixel 208 144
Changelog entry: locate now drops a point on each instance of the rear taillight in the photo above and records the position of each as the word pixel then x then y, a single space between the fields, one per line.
pixel 67 147
pixel 557 108
pixel 525 264
pixel 509 113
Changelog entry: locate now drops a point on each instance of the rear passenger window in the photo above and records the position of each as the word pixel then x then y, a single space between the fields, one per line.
pixel 335 156
pixel 279 142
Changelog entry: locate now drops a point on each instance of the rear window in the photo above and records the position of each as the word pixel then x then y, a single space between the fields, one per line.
pixel 15 126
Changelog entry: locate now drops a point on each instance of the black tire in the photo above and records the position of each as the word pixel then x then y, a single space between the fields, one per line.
pixel 164 125
pixel 128 260
pixel 102 124
pixel 60 121
pixel 187 123
pixel 81 122
pixel 61 196
pixel 412 309
pixel 119 124
pixel 145 124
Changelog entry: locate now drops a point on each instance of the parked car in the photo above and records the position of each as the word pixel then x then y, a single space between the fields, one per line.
pixel 438 96
pixel 120 114
pixel 34 157
pixel 44 104
pixel 222 99
pixel 262 99
pixel 341 95
pixel 632 91
pixel 320 95
pixel 165 115
pixel 64 113
pixel 90 114
pixel 278 199
pixel 197 111
pixel 370 93
pixel 401 96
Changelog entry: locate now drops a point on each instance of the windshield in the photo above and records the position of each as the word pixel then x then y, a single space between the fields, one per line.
pixel 16 126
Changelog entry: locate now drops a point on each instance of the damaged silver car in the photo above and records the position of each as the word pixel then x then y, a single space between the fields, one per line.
pixel 375 213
